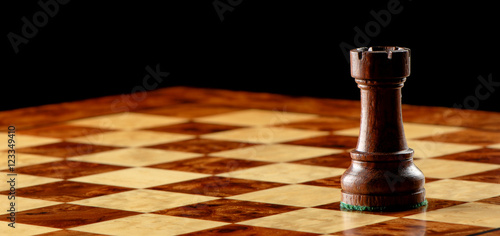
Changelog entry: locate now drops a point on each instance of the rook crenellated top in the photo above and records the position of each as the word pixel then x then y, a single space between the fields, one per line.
pixel 382 62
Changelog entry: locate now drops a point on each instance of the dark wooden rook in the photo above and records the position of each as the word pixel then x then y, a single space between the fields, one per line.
pixel 382 175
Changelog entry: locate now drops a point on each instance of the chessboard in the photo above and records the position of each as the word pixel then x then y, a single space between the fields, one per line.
pixel 192 161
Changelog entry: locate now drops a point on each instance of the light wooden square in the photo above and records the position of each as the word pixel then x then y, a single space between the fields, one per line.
pixel 436 168
pixel 149 224
pixel 276 152
pixel 293 195
pixel 135 157
pixel 461 190
pixel 430 149
pixel 22 180
pixel 24 204
pixel 473 213
pixel 139 177
pixel 23 141
pixel 264 135
pixel 497 146
pixel 285 173
pixel 25 230
pixel 25 159
pixel 143 200
pixel 255 117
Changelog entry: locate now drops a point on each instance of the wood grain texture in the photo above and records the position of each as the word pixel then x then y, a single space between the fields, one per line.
pixel 218 186
pixel 246 230
pixel 342 160
pixel 330 141
pixel 414 227
pixel 467 136
pixel 194 128
pixel 63 131
pixel 69 233
pixel 485 155
pixel 68 215
pixel 191 199
pixel 493 200
pixel 333 182
pixel 66 169
pixel 204 146
pixel 67 191
pixel 65 149
pixel 210 165
pixel 31 117
pixel 325 124
pixel 227 210
pixel 492 176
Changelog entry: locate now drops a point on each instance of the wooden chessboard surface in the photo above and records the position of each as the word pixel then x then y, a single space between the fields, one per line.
pixel 191 161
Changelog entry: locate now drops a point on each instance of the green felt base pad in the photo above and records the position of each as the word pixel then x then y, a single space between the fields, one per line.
pixel 381 208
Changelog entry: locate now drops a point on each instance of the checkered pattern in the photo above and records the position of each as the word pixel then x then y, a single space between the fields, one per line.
pixel 227 170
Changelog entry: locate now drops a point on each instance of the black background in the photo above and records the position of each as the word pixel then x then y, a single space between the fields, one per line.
pixel 95 48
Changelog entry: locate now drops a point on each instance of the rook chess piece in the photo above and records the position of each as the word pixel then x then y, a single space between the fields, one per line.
pixel 382 175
